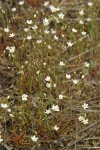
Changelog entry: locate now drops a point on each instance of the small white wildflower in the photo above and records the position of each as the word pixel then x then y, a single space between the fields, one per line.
pixel 85 106
pixel 80 118
pixel 49 47
pixel 12 35
pixel 74 30
pixel 12 49
pixel 21 3
pixel 4 105
pixel 81 22
pixel 75 81
pixel 83 33
pixel 6 30
pixel 56 128
pixel 38 72
pixel 24 97
pixel 34 138
pixel 48 111
pixel 48 85
pixel 53 8
pixel 61 96
pixel 55 108
pixel 44 64
pixel 26 29
pixel 54 85
pixel 90 4
pixel 46 3
pixel 46 22
pixel 29 37
pixel 83 76
pixel 46 32
pixel 69 44
pixel 48 79
pixel 9 110
pixel 86 64
pixel 1 140
pixel 35 27
pixel 29 22
pixel 62 63
pixel 8 96
pixel 35 15
pixel 81 12
pixel 14 9
pixel 53 31
pixel 11 115
pixel 39 41
pixel 61 16
pixel 68 76
pixel 88 19
pixel 85 121
pixel 56 37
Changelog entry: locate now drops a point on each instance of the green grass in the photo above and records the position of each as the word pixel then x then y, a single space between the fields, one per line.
pixel 42 100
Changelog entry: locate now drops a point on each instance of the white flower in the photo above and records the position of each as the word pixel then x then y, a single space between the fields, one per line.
pixel 11 115
pixel 46 22
pixel 56 37
pixel 83 76
pixel 54 85
pixel 61 15
pixel 26 29
pixel 85 121
pixel 86 64
pixel 11 49
pixel 46 32
pixel 81 12
pixel 48 85
pixel 14 9
pixel 75 81
pixel 49 47
pixel 81 22
pixel 61 96
pixel 53 31
pixel 62 63
pixel 38 41
pixel 24 97
pixel 69 44
pixel 35 27
pixel 9 110
pixel 38 72
pixel 6 30
pixel 68 76
pixel 90 4
pixel 83 33
pixel 34 138
pixel 55 108
pixel 53 9
pixel 85 106
pixel 29 22
pixel 74 30
pixel 88 19
pixel 12 35
pixel 4 105
pixel 47 78
pixel 1 140
pixel 46 3
pixel 48 111
pixel 21 3
pixel 29 37
pixel 56 128
pixel 80 118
